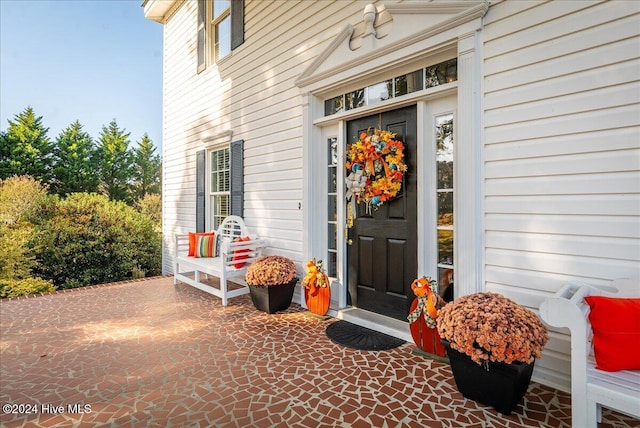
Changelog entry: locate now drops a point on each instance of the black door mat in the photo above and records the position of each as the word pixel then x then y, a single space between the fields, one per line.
pixel 354 336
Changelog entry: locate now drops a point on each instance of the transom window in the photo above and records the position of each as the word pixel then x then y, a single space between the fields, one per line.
pixel 219 186
pixel 424 78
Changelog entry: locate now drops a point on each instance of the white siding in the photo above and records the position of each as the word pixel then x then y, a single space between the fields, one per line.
pixel 561 145
pixel 561 152
pixel 251 93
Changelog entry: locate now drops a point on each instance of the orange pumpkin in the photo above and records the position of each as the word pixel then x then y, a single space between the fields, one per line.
pixel 317 290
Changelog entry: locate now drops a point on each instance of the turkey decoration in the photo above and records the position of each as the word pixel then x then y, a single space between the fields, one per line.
pixel 423 314
pixel 317 290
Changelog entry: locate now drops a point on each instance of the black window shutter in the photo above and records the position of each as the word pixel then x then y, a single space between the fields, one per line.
pixel 237 23
pixel 236 163
pixel 201 174
pixel 201 35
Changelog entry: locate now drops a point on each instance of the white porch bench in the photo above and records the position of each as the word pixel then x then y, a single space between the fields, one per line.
pixel 191 270
pixel 592 388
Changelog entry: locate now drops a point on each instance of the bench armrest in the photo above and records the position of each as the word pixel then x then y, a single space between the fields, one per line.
pixel 249 250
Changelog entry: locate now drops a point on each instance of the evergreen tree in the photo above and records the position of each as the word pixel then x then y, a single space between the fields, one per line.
pixel 76 162
pixel 25 148
pixel 115 163
pixel 147 168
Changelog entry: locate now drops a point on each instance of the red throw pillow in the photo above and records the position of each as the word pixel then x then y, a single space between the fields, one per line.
pixel 238 257
pixel 193 237
pixel 616 332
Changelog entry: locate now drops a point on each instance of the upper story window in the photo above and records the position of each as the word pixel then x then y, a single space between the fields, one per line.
pixel 220 29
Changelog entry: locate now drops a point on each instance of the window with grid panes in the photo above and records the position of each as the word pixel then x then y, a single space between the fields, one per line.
pixel 219 185
pixel 445 199
pixel 332 203
pixel 220 28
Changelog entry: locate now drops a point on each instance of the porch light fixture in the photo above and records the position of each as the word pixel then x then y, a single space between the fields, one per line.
pixel 369 15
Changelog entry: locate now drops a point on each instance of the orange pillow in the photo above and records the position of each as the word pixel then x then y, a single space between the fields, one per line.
pixel 616 332
pixel 237 257
pixel 193 237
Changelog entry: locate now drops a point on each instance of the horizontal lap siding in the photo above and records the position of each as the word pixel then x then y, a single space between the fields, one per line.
pixel 252 93
pixel 561 153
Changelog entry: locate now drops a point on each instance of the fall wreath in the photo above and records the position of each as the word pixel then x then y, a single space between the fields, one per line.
pixel 375 167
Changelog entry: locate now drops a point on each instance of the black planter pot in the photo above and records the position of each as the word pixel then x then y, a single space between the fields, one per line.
pixel 273 298
pixel 498 385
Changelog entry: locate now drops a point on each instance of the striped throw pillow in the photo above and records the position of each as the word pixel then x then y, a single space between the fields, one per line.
pixel 205 246
pixel 193 238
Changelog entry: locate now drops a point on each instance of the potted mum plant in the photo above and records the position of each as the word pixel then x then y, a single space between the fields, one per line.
pixel 492 343
pixel 272 281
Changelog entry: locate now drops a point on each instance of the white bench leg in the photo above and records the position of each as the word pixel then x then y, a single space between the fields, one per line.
pixel 593 414
pixel 175 271
pixel 223 288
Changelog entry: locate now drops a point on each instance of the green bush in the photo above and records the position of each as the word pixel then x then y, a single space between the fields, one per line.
pixel 24 287
pixel 87 239
pixel 16 261
pixel 18 196
pixel 151 206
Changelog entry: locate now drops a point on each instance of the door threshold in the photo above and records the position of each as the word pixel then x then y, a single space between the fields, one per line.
pixel 374 321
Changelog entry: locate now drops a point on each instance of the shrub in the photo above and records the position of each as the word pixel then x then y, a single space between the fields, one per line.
pixel 87 239
pixel 23 287
pixel 18 196
pixel 151 206
pixel 16 261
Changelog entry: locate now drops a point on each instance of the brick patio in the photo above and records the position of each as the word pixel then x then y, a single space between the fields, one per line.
pixel 148 354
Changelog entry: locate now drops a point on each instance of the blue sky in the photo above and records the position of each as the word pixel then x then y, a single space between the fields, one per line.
pixel 89 60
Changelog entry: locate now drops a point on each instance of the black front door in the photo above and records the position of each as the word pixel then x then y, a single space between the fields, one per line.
pixel 382 256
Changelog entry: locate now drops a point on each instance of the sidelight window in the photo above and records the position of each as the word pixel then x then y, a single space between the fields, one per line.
pixel 445 203
pixel 332 203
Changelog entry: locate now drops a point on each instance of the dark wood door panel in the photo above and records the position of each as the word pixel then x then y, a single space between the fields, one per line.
pixel 383 257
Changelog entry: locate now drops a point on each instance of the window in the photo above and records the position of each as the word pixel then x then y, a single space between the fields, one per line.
pixel 332 203
pixel 219 186
pixel 220 29
pixel 445 207
pixel 219 182
pixel 427 77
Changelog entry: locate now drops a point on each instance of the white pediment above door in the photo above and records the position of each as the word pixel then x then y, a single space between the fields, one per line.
pixel 390 33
